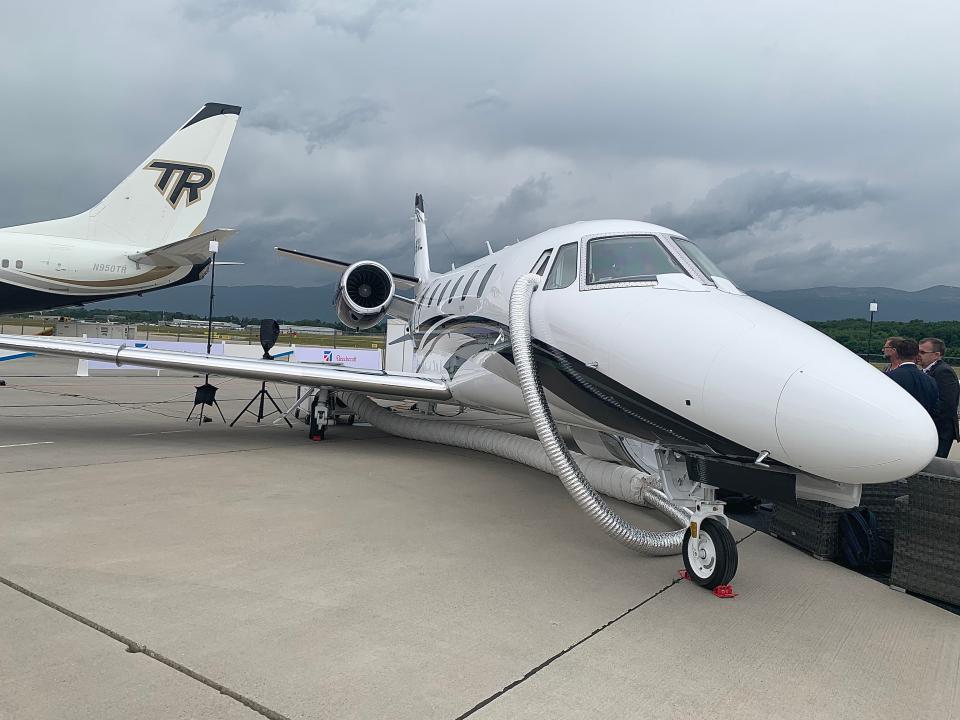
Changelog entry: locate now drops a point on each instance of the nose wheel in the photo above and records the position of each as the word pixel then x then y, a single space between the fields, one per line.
pixel 711 557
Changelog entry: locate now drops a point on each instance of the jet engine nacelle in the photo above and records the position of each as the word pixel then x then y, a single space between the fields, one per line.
pixel 364 293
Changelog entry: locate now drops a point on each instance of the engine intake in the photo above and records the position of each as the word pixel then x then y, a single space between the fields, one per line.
pixel 364 293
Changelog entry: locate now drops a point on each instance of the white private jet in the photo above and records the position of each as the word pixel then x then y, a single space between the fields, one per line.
pixel 629 335
pixel 145 235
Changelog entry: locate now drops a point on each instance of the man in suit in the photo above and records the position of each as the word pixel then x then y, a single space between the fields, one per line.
pixel 945 415
pixel 904 371
pixel 890 354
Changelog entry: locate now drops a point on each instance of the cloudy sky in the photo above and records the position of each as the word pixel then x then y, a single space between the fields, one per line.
pixel 801 144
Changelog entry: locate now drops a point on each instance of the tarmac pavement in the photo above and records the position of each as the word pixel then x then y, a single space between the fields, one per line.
pixel 369 576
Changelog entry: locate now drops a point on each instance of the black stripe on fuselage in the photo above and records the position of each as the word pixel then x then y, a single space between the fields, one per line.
pixel 14 298
pixel 617 406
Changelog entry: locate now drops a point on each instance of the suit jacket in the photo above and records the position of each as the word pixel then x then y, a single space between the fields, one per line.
pixel 945 415
pixel 919 384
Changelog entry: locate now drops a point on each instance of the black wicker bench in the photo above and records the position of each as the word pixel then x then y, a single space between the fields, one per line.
pixel 927 521
pixel 808 524
pixel 880 500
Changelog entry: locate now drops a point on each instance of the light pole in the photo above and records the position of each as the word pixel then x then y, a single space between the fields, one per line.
pixel 873 309
pixel 214 247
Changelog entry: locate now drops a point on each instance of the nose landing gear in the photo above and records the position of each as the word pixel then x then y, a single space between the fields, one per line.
pixel 709 552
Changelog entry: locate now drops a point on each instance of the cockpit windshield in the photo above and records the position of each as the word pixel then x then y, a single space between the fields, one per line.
pixel 706 265
pixel 629 258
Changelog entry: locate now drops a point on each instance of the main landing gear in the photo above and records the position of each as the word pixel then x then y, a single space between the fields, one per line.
pixel 327 409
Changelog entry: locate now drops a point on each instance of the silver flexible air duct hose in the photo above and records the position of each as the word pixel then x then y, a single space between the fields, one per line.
pixel 654 543
pixel 624 483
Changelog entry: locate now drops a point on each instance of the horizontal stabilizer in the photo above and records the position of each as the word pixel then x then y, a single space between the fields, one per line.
pixel 189 251
pixel 401 281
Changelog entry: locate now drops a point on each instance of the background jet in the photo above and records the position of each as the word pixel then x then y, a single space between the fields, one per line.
pixel 145 235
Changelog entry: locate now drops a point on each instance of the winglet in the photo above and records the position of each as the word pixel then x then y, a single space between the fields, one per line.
pixel 212 109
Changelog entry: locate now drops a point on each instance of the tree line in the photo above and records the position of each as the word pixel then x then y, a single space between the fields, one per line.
pixel 854 333
pixel 155 316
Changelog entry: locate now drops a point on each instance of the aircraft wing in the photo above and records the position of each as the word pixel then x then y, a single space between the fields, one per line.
pixel 381 384
pixel 189 251
pixel 401 281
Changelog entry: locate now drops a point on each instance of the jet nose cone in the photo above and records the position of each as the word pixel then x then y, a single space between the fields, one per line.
pixel 853 425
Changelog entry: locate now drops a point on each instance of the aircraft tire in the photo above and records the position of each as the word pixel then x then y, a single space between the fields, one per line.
pixel 718 560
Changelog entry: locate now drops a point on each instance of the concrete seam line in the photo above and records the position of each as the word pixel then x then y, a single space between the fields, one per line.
pixel 135 647
pixel 483 703
pixel 139 459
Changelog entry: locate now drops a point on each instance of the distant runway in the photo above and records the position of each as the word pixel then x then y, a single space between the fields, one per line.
pixel 256 574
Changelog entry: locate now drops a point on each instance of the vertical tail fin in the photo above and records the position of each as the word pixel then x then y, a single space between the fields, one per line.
pixel 421 256
pixel 166 198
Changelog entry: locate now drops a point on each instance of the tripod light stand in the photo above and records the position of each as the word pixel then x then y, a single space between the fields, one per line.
pixel 207 394
pixel 269 332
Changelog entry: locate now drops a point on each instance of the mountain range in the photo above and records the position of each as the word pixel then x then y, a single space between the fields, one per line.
pixel 941 302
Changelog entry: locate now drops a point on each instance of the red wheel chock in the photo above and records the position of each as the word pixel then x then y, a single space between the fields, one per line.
pixel 724 591
pixel 720 591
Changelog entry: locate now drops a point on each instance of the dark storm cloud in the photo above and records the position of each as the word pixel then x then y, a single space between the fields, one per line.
pixel 316 130
pixel 500 220
pixel 756 225
pixel 360 20
pixel 354 17
pixel 532 194
pixel 769 198
pixel 740 135
pixel 227 12
pixel 825 264
pixel 491 100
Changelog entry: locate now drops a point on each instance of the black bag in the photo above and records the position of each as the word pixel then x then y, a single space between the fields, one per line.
pixel 860 543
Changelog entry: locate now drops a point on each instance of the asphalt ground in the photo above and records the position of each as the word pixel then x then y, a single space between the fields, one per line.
pixel 159 569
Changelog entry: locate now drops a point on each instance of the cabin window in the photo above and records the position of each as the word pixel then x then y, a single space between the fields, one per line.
pixel 486 279
pixel 706 265
pixel 5 263
pixel 466 288
pixel 444 291
pixel 628 258
pixel 19 264
pixel 455 286
pixel 564 270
